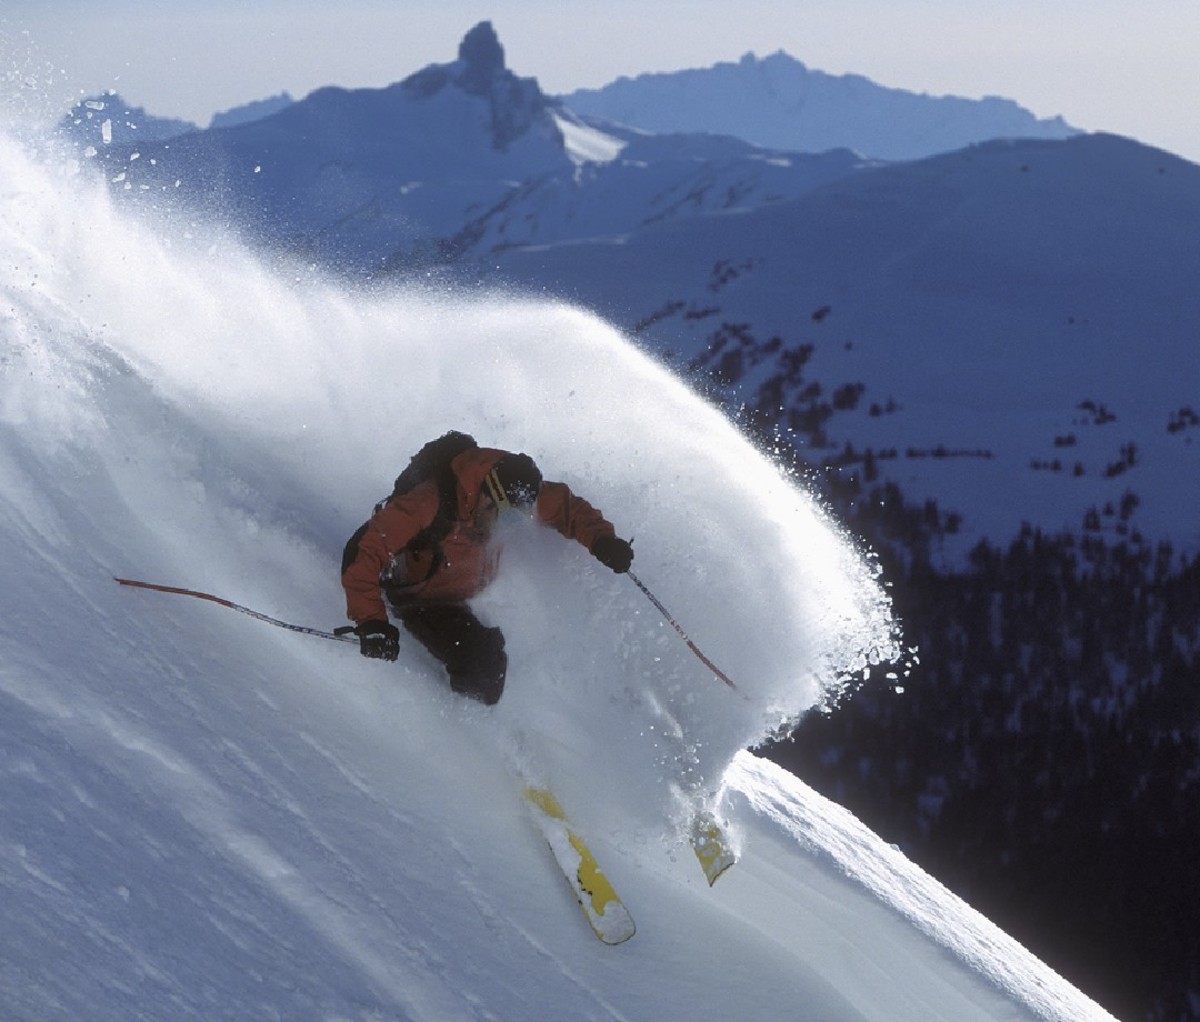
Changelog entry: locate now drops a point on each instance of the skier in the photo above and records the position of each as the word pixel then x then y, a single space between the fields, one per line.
pixel 427 550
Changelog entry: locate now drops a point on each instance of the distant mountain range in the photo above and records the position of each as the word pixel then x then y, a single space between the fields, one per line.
pixel 779 103
pixel 109 118
pixel 454 161
pixel 774 102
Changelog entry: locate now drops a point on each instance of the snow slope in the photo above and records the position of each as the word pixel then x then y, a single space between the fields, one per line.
pixel 987 296
pixel 204 817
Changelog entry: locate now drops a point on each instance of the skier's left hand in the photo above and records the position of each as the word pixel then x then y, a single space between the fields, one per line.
pixel 613 552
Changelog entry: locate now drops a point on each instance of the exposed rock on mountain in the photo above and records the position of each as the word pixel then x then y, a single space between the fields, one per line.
pixel 515 103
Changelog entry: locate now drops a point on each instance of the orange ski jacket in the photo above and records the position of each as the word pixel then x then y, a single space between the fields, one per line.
pixel 464 562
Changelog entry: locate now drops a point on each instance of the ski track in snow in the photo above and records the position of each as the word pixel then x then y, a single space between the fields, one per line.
pixel 203 817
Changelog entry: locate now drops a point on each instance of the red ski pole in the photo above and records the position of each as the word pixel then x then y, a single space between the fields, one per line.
pixel 682 634
pixel 338 635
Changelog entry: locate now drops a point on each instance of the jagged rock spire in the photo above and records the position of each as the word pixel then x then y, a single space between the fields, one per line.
pixel 483 57
pixel 516 103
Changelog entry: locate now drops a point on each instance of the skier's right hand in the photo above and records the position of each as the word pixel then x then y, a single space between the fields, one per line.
pixel 613 552
pixel 379 640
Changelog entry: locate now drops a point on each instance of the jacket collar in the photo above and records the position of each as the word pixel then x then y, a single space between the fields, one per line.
pixel 470 468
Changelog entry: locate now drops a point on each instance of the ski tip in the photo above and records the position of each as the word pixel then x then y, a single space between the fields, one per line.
pixel 618 935
pixel 718 869
pixel 712 847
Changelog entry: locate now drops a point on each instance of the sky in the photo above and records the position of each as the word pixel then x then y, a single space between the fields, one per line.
pixel 1104 65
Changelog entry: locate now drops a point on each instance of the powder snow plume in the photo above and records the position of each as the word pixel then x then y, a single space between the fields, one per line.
pixel 241 418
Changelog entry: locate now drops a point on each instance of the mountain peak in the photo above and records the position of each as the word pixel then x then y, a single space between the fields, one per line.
pixel 479 69
pixel 515 103
pixel 482 57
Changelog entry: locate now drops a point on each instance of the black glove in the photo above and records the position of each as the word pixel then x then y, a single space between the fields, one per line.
pixel 613 552
pixel 379 640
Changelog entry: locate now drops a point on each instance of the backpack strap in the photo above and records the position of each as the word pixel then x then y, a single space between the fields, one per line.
pixel 434 462
pixel 431 462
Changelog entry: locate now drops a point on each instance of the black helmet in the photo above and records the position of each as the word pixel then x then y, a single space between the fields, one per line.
pixel 514 481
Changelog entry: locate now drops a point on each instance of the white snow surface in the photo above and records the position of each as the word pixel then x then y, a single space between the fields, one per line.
pixel 205 817
pixel 586 144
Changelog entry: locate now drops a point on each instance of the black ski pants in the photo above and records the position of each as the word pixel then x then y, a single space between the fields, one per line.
pixel 472 652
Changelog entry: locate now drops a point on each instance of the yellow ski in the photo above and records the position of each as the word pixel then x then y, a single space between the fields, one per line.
pixel 711 847
pixel 605 912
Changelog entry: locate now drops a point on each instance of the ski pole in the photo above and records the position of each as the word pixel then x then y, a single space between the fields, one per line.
pixel 338 635
pixel 682 634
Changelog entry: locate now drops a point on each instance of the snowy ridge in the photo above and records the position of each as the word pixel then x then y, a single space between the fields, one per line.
pixel 205 817
pixel 776 101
